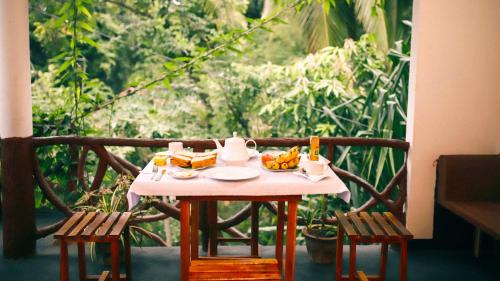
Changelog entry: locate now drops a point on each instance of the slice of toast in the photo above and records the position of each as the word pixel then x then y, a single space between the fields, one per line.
pixel 208 153
pixel 186 153
pixel 200 162
pixel 180 160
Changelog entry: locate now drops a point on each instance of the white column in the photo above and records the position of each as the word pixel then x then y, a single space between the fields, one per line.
pixel 15 79
pixel 454 97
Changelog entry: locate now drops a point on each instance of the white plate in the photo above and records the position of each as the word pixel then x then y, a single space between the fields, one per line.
pixel 252 153
pixel 183 175
pixel 232 173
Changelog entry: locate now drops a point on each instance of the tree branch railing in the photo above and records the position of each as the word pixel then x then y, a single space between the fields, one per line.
pixel 121 166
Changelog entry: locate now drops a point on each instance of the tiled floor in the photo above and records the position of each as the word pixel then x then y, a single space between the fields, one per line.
pixel 156 263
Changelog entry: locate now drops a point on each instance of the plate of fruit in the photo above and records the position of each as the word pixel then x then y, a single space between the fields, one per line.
pixel 281 161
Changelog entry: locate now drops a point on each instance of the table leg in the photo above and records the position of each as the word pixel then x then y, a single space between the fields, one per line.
pixel 280 226
pixel 212 226
pixel 185 254
pixel 82 272
pixel 290 240
pixel 115 260
pixel 63 270
pixel 254 247
pixel 194 229
pixel 339 254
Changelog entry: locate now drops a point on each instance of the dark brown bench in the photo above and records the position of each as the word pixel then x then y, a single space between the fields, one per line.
pixel 469 186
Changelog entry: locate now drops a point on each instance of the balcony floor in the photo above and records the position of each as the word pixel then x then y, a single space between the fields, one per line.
pixel 157 263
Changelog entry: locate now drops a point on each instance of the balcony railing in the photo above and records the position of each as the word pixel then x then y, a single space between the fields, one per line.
pixel 391 197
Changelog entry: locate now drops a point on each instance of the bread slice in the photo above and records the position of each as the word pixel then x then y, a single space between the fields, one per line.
pixel 209 153
pixel 180 160
pixel 186 153
pixel 200 162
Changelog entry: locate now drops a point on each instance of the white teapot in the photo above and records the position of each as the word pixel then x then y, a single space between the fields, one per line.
pixel 234 151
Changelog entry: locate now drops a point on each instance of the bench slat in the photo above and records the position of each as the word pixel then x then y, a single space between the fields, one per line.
pixel 385 226
pixel 120 225
pixel 398 225
pixel 362 276
pixel 346 225
pixel 83 223
pixel 69 224
pixel 89 231
pixel 359 225
pixel 104 276
pixel 375 229
pixel 103 230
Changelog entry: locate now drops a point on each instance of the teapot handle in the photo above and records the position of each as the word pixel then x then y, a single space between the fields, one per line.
pixel 251 140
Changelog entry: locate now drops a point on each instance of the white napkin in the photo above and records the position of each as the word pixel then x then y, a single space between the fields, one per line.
pixel 313 178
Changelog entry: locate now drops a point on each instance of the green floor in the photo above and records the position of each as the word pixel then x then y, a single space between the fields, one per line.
pixel 156 263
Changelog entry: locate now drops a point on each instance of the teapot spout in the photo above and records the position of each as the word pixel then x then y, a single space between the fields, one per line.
pixel 219 146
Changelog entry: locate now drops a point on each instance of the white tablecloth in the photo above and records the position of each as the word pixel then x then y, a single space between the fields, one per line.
pixel 267 184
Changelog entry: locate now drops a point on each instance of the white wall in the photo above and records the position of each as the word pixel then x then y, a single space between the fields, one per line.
pixel 15 79
pixel 454 102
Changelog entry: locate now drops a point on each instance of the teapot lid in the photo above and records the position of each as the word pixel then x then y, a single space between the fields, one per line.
pixel 235 138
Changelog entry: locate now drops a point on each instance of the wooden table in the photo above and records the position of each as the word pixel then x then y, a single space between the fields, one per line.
pixel 268 186
pixel 194 267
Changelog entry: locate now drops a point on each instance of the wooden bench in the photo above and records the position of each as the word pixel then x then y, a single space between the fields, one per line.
pixel 84 227
pixel 234 269
pixel 469 186
pixel 370 228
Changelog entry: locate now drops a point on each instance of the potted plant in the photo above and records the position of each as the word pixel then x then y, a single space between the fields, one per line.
pixel 109 200
pixel 320 238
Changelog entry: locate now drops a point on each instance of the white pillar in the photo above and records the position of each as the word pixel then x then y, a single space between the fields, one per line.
pixel 454 95
pixel 15 79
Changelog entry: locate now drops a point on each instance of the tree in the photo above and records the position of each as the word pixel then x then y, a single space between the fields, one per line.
pixel 330 22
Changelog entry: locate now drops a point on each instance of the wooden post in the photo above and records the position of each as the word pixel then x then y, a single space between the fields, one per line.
pixel 339 252
pixel 82 269
pixel 63 255
pixel 195 222
pixel 18 198
pixel 115 260
pixel 16 131
pixel 212 226
pixel 203 206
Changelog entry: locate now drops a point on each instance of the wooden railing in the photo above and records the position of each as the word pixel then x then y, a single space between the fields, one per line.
pixel 208 211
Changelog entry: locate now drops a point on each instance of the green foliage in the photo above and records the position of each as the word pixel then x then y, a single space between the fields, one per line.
pixel 330 22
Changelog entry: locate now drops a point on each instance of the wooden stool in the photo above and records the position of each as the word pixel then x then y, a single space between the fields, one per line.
pixel 370 228
pixel 95 227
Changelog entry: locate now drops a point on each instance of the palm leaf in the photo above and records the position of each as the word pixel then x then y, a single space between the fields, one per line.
pixel 323 26
pixel 372 17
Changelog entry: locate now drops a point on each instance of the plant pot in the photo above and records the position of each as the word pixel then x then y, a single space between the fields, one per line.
pixel 320 249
